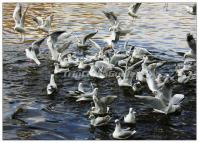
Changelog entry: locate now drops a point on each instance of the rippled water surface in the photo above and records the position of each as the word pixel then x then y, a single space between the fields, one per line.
pixel 41 117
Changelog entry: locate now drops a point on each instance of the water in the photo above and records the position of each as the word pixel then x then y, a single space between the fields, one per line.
pixel 41 117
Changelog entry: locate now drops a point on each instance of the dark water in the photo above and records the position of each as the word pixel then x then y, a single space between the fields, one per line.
pixel 41 117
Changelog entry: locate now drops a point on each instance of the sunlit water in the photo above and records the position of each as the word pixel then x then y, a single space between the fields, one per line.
pixel 159 30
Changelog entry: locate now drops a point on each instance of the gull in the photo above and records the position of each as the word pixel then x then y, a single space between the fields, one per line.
pixel 118 57
pixel 99 121
pixel 191 9
pixel 164 101
pixel 97 111
pixel 185 77
pixel 104 66
pixel 165 107
pixel 33 51
pixel 100 107
pixel 67 61
pixel 120 133
pixel 100 54
pixel 107 100
pixel 139 53
pixel 128 75
pixel 115 28
pixel 44 25
pixel 52 86
pixel 192 45
pixel 57 69
pixel 83 45
pixel 137 87
pixel 19 20
pixel 53 40
pixel 151 76
pixel 130 117
pixel 132 10
pixel 87 96
pixel 80 90
pixel 95 72
pixel 82 64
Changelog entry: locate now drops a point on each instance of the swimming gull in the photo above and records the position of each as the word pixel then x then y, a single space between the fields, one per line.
pixel 52 86
pixel 120 133
pixel 130 117
pixel 99 121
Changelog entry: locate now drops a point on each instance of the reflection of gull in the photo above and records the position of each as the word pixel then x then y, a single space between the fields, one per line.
pixel 33 51
pixel 120 133
pixel 19 20
pixel 132 10
pixel 52 86
pixel 44 25
pixel 99 121
pixel 130 117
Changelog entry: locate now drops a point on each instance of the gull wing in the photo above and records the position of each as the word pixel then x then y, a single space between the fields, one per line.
pixel 17 13
pixel 48 21
pixel 38 20
pixel 64 47
pixel 134 66
pixel 153 102
pixel 23 16
pixel 95 44
pixel 36 44
pixel 54 35
pixel 176 99
pixel 136 7
pixel 191 42
pixel 111 17
pixel 90 35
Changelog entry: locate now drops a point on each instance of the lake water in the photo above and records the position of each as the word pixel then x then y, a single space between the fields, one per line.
pixel 40 117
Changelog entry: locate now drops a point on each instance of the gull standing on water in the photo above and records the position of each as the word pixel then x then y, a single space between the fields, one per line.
pixel 19 20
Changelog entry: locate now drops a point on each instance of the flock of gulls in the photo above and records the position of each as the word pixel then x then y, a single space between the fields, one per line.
pixel 135 68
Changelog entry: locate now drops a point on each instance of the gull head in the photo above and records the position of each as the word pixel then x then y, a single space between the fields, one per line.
pixel 117 121
pixel 91 116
